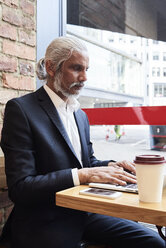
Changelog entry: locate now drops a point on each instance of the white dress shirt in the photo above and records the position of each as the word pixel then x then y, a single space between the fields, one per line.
pixel 65 111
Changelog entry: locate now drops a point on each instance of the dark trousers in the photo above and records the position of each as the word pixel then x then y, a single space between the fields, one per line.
pixel 121 233
pixel 100 229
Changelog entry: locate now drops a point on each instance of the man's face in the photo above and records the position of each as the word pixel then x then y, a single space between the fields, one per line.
pixel 73 74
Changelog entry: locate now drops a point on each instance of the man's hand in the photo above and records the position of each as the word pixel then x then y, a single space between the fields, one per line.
pixel 126 165
pixel 115 173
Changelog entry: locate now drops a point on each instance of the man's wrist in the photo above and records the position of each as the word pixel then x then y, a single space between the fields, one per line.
pixel 111 163
pixel 76 180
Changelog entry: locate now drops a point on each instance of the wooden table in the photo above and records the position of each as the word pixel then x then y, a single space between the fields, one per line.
pixel 127 206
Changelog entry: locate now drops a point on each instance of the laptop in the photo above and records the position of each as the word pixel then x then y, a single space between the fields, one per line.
pixel 130 187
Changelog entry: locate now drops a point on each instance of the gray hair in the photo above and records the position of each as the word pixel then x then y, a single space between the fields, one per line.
pixel 58 51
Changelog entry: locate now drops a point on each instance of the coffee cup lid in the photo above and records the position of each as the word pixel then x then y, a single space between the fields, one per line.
pixel 149 159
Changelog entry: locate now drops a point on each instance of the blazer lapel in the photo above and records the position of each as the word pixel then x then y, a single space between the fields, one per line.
pixel 81 131
pixel 46 103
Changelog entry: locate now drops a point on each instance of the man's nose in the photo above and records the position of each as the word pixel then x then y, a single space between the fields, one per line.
pixel 83 76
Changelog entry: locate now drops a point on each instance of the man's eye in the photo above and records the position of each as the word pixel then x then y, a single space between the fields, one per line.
pixel 77 68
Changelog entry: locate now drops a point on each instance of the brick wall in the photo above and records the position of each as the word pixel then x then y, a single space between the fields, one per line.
pixel 17 64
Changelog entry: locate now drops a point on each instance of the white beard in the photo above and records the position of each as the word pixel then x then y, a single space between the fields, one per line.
pixel 57 86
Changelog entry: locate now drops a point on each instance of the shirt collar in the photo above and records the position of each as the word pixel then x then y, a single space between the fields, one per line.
pixel 72 104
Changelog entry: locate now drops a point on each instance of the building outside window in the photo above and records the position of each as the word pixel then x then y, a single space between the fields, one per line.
pixel 156 42
pixel 156 71
pixel 153 71
pixel 164 72
pixel 164 56
pixel 159 90
pixel 155 56
pixel 110 69
pixel 114 71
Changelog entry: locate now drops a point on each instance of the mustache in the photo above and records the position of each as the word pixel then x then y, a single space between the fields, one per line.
pixel 79 84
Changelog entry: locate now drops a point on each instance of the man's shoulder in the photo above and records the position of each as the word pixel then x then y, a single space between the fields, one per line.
pixel 81 112
pixel 26 97
pixel 81 115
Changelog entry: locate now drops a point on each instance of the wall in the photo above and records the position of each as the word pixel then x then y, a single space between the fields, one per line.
pixel 141 19
pixel 17 65
pixel 17 49
pixel 105 14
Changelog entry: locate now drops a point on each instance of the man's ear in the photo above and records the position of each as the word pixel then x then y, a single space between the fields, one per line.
pixel 50 68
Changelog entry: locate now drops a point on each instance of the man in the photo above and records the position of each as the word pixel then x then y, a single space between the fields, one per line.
pixel 45 139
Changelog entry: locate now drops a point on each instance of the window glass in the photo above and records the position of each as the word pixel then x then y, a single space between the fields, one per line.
pixel 164 56
pixel 164 93
pixel 164 72
pixel 134 140
pixel 121 67
pixel 160 90
pixel 125 70
pixel 158 72
pixel 155 56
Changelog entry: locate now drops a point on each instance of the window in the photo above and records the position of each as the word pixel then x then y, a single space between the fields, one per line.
pixel 153 72
pixel 164 72
pixel 164 56
pixel 159 90
pixel 147 90
pixel 120 40
pixel 164 91
pixel 155 41
pixel 156 71
pixel 155 56
pixel 155 90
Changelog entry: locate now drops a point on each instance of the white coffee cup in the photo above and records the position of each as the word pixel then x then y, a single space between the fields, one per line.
pixel 150 177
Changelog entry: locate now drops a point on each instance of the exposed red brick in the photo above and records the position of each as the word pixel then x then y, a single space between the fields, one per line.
pixel 26 68
pixel 17 18
pixel 8 64
pixel 8 31
pixel 12 3
pixel 10 81
pixel 13 17
pixel 17 59
pixel 27 36
pixel 20 83
pixel 28 23
pixel 19 50
pixel 6 95
pixel 27 7
pixel 26 83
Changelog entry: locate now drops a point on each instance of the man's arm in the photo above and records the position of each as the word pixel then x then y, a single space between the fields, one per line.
pixel 107 171
pixel 25 185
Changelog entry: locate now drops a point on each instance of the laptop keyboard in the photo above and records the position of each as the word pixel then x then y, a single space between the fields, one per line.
pixel 131 185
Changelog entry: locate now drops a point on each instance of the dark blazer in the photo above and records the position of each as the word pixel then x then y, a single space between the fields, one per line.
pixel 38 162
